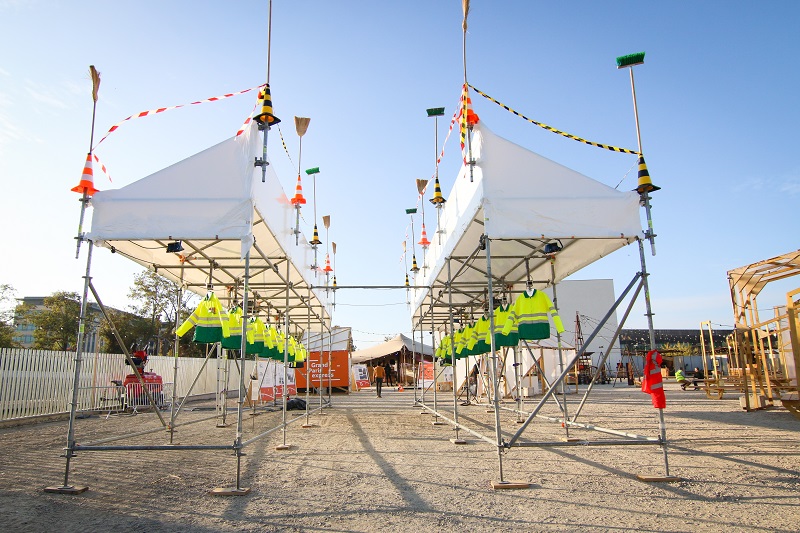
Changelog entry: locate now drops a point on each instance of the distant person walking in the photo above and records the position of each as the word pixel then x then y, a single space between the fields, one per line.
pixel 389 374
pixel 378 373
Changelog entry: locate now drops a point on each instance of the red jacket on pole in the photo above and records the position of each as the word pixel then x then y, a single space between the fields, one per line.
pixel 651 383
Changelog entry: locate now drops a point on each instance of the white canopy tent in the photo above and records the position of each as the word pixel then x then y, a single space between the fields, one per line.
pixel 216 204
pixel 389 347
pixel 521 201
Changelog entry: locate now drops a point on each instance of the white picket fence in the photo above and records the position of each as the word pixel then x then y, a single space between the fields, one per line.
pixel 39 382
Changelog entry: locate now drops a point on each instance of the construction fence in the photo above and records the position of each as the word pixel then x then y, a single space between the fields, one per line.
pixel 36 383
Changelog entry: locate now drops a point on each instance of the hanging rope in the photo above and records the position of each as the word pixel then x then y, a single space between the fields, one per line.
pixel 554 130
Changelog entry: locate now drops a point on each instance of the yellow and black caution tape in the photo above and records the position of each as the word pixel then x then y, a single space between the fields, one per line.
pixel 550 128
pixel 284 146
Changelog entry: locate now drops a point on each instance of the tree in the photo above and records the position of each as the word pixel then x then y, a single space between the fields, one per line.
pixel 132 328
pixel 7 301
pixel 57 324
pixel 155 298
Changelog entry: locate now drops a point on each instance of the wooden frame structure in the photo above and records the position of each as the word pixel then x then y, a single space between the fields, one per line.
pixel 766 354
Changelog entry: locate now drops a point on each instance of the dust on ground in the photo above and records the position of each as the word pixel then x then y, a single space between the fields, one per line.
pixel 379 464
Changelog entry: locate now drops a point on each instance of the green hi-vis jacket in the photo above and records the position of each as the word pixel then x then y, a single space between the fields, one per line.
pixel 500 316
pixel 529 317
pixel 209 321
pixel 234 341
pixel 477 344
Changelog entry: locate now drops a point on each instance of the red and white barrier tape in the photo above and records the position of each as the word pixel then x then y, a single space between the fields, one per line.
pixel 163 109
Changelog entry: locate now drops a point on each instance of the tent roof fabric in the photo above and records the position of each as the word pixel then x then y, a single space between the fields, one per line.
pixel 216 204
pixel 338 339
pixel 389 347
pixel 521 201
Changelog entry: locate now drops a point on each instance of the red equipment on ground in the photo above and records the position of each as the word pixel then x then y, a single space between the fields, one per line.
pixel 137 397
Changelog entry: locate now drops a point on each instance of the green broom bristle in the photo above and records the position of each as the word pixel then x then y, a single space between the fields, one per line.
pixel 630 59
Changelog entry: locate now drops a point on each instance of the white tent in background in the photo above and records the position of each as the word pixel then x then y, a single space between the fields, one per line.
pixel 392 346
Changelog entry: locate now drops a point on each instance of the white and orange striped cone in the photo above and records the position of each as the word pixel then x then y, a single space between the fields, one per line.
pixel 424 242
pixel 472 117
pixel 86 184
pixel 298 198
pixel 328 263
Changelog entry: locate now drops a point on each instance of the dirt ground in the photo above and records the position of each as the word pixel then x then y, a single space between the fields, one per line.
pixel 372 464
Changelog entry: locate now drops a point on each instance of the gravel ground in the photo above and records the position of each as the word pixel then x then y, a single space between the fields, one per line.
pixel 372 464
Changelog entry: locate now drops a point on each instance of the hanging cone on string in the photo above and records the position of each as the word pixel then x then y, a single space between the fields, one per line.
pixel 424 242
pixel 87 179
pixel 407 285
pixel 266 116
pixel 298 198
pixel 437 199
pixel 644 185
pixel 328 263
pixel 315 240
pixel 414 267
pixel 334 282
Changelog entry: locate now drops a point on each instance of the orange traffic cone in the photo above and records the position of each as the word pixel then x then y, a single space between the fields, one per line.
pixel 400 388
pixel 472 117
pixel 424 242
pixel 298 198
pixel 87 179
pixel 327 264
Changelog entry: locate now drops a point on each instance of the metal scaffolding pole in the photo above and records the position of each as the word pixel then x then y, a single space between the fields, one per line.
pixel 493 348
pixel 69 453
pixel 457 439
pixel 307 365
pixel 436 421
pixel 285 388
pixel 242 391
pixel 662 426
pixel 560 350
pixel 173 412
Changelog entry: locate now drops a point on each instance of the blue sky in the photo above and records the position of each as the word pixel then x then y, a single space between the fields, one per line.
pixel 717 106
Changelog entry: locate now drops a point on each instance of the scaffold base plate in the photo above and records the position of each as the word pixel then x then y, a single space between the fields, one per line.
pixel 229 492
pixel 70 489
pixel 458 441
pixel 283 447
pixel 656 479
pixel 306 426
pixel 503 485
